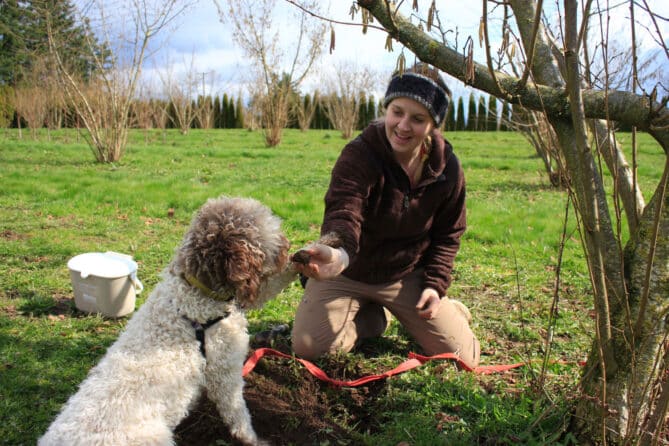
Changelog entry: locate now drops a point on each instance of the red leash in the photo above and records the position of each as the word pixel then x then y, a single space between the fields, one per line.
pixel 414 361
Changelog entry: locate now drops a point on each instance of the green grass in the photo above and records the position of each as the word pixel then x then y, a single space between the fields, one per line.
pixel 55 203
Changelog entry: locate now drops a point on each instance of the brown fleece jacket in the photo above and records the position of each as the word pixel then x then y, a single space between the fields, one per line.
pixel 387 228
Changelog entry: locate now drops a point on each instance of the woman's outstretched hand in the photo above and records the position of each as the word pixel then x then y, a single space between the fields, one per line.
pixel 320 262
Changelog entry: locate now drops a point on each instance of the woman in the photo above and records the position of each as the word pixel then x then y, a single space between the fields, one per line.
pixel 394 215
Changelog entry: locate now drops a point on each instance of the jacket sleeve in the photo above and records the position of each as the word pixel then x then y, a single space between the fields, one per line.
pixel 449 224
pixel 346 198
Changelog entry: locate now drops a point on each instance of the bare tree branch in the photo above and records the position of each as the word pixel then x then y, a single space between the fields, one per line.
pixel 623 106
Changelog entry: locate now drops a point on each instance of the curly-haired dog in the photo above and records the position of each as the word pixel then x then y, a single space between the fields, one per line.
pixel 191 333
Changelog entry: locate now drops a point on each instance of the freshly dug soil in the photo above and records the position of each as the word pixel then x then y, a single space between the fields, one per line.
pixel 290 406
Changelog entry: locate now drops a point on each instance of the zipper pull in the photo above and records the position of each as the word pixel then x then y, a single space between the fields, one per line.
pixel 405 204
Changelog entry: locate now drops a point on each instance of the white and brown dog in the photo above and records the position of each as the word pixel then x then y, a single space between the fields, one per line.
pixel 190 334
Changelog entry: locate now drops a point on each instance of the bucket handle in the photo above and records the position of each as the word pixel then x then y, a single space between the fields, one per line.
pixel 136 282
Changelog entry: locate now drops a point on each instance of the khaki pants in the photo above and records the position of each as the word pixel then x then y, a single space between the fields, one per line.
pixel 334 314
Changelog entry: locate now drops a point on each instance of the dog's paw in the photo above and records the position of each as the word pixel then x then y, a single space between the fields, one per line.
pixel 266 338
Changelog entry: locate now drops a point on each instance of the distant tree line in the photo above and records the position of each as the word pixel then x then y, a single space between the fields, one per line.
pixel 228 112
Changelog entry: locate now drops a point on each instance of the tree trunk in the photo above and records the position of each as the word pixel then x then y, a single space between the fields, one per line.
pixel 630 288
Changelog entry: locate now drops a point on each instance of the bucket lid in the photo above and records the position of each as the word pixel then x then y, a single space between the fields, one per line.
pixel 103 264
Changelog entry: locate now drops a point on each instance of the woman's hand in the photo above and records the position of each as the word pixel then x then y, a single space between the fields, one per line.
pixel 428 304
pixel 320 262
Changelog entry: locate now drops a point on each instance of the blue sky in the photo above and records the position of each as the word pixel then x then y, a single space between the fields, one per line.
pixel 199 38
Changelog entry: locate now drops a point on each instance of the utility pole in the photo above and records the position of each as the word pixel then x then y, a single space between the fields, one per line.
pixel 204 107
pixel 203 74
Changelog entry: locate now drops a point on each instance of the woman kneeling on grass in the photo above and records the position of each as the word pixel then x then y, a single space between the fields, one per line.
pixel 394 215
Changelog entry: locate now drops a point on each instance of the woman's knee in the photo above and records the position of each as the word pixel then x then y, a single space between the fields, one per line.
pixel 305 347
pixel 309 345
pixel 467 348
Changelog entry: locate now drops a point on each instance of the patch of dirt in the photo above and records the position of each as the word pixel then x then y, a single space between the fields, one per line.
pixel 290 406
pixel 11 235
pixel 63 305
pixel 10 311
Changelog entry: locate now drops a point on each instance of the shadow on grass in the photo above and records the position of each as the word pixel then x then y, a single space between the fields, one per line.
pixel 525 187
pixel 41 367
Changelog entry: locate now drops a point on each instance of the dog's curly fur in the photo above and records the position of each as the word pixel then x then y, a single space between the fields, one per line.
pixel 154 372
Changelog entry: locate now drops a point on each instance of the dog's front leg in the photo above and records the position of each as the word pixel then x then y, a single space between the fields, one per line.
pixel 226 347
pixel 274 284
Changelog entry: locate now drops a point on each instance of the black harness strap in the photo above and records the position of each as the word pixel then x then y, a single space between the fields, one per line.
pixel 201 328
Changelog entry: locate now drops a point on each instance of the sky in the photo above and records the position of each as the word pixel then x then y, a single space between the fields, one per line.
pixel 199 39
pixel 202 36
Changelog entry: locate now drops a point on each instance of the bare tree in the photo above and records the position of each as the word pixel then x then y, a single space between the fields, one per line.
pixel 142 112
pixel 205 112
pixel 625 388
pixel 304 109
pixel 158 112
pixel 342 99
pixel 6 107
pixel 180 89
pixel 32 96
pixel 253 112
pixel 103 104
pixel 277 72
pixel 56 105
pixel 205 105
pixel 30 104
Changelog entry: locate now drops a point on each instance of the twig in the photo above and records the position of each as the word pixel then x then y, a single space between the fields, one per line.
pixel 533 41
pixel 556 295
pixel 657 28
pixel 520 309
pixel 488 57
pixel 657 418
pixel 329 20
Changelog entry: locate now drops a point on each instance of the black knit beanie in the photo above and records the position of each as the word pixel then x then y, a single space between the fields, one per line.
pixel 421 89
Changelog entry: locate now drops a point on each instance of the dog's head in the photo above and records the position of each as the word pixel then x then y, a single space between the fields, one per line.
pixel 233 246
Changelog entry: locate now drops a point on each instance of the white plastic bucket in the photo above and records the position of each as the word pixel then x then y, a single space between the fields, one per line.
pixel 104 283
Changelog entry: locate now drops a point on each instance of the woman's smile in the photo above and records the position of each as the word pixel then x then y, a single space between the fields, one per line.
pixel 407 125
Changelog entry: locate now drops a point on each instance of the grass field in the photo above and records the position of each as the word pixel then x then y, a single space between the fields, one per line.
pixel 56 202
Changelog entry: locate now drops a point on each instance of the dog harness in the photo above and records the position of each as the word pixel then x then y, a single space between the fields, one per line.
pixel 200 329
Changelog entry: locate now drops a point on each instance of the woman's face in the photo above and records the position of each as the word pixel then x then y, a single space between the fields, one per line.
pixel 407 124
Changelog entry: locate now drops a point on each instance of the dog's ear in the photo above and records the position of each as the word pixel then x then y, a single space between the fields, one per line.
pixel 243 270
